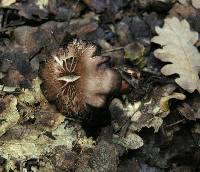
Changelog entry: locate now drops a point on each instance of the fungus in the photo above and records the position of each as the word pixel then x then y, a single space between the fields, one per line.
pixel 74 78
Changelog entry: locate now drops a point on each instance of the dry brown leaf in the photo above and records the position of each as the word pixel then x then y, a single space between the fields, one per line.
pixel 183 11
pixel 178 41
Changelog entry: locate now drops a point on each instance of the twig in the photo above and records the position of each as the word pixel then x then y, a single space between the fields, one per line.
pixel 111 50
pixel 175 123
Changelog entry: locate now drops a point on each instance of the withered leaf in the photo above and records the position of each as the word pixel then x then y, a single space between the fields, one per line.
pixel 196 4
pixel 6 3
pixel 182 11
pixel 10 116
pixel 178 41
pixel 135 53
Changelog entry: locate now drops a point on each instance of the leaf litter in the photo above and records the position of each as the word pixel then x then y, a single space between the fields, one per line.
pixel 151 124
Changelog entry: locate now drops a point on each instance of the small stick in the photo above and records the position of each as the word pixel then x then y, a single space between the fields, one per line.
pixel 175 123
pixel 113 49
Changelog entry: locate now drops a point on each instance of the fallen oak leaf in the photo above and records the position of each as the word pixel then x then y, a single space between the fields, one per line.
pixel 196 4
pixel 177 41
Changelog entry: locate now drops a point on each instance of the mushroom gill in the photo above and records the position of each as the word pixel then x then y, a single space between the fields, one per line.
pixel 74 78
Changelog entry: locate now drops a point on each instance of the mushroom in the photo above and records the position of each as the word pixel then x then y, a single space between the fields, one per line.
pixel 74 78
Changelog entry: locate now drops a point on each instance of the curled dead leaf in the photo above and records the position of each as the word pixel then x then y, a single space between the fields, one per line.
pixel 164 101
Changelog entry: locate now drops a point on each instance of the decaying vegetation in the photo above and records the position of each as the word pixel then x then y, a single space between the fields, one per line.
pixel 150 118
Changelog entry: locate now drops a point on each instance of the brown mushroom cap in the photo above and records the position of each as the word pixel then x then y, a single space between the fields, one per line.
pixel 73 77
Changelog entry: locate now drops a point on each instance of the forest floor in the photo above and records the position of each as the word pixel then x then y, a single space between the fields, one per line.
pixel 151 125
